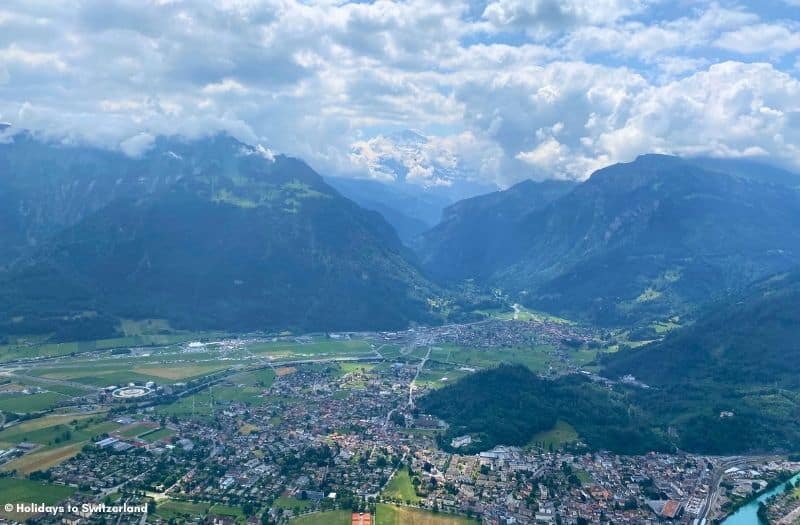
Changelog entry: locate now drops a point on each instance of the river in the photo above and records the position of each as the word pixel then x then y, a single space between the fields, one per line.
pixel 748 514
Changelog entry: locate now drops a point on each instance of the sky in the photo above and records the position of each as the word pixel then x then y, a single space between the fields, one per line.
pixel 430 91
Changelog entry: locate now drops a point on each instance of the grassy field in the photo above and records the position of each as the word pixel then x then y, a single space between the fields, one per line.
pixel 537 358
pixel 26 348
pixel 437 376
pixel 157 435
pixel 258 378
pixel 334 517
pixel 14 490
pixel 346 368
pixel 23 404
pixel 560 435
pixel 136 429
pixel 319 346
pixel 17 384
pixel 61 437
pixel 58 430
pixel 225 510
pixel 11 433
pixel 197 405
pixel 177 509
pixel 179 372
pixel 244 388
pixel 44 459
pixel 583 476
pixel 291 503
pixel 400 487
pixel 392 515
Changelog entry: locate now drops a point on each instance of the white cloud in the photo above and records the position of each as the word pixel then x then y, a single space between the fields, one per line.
pixel 14 54
pixel 732 109
pixel 137 145
pixel 542 17
pixel 760 38
pixel 501 90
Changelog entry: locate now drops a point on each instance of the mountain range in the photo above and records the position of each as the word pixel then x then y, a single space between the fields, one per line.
pixel 214 232
pixel 205 234
pixel 635 241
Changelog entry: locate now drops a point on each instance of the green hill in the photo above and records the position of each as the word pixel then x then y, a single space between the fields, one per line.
pixel 741 356
pixel 509 405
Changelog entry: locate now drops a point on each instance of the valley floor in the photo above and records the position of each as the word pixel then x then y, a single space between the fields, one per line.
pixel 309 429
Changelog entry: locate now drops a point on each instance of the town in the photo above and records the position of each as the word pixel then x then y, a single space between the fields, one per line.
pixel 289 438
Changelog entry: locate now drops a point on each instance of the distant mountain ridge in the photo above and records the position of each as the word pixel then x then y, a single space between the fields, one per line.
pixel 634 241
pixel 410 209
pixel 206 234
pixel 479 228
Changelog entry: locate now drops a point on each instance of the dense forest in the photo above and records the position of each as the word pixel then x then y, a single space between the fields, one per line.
pixel 510 404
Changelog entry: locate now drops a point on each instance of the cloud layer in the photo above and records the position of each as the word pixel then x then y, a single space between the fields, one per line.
pixel 498 90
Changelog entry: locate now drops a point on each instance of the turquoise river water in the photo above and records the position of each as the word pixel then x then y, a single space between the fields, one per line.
pixel 748 514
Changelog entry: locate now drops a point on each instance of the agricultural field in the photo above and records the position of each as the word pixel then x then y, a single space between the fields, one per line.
pixel 58 430
pixel 393 515
pixel 43 459
pixel 16 490
pixel 60 436
pixel 26 403
pixel 400 487
pixel 107 372
pixel 561 434
pixel 197 406
pixel 261 378
pixel 334 517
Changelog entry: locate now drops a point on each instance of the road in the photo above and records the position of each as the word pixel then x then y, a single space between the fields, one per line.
pixel 416 376
pixel 716 480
